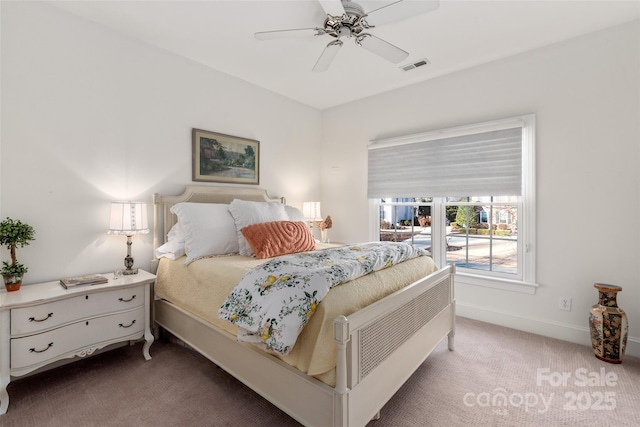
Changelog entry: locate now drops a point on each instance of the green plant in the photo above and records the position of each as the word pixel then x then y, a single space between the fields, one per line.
pixel 450 212
pixel 14 234
pixel 13 270
pixel 468 216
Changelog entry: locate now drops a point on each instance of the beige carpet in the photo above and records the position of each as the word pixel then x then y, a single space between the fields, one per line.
pixel 542 382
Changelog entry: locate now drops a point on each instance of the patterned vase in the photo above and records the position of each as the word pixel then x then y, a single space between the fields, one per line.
pixel 608 325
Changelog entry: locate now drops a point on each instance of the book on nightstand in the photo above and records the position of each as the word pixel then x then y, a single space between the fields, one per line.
pixel 91 279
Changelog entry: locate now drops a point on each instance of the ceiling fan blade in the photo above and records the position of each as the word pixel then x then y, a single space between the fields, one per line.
pixel 332 7
pixel 326 58
pixel 382 48
pixel 298 32
pixel 399 10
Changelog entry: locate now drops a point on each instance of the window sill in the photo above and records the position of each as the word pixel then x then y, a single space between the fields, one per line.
pixel 496 283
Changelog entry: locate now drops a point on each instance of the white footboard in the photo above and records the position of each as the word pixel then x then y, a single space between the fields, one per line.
pixel 381 346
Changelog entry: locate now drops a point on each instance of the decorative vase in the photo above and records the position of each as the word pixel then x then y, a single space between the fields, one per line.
pixel 324 235
pixel 12 283
pixel 608 325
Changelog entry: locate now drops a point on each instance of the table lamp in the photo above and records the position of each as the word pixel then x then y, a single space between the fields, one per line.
pixel 128 219
pixel 311 211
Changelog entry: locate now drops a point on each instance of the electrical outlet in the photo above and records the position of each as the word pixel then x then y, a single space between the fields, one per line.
pixel 565 303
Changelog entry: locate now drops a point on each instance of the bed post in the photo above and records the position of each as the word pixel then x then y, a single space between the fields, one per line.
pixel 341 336
pixel 450 337
pixel 157 237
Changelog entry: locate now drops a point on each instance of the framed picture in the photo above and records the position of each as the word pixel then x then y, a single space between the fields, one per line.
pixel 225 158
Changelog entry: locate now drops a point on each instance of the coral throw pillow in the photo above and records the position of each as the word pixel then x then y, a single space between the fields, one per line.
pixel 269 239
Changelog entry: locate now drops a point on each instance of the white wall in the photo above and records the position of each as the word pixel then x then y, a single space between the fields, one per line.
pixel 586 95
pixel 89 116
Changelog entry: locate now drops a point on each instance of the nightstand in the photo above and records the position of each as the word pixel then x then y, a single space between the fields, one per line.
pixel 44 323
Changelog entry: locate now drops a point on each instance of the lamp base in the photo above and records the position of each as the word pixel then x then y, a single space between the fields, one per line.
pixel 128 260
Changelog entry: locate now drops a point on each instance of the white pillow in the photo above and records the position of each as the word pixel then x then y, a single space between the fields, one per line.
pixel 246 213
pixel 208 229
pixel 294 214
pixel 176 233
pixel 174 248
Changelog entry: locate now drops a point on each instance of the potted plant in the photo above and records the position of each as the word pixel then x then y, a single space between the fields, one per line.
pixel 14 234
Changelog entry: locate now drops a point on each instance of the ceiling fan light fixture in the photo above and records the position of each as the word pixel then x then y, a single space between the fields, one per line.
pixel 344 32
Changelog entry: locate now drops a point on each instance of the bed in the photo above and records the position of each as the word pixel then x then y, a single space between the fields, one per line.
pixel 375 348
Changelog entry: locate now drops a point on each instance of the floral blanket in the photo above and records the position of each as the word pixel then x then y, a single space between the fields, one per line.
pixel 275 300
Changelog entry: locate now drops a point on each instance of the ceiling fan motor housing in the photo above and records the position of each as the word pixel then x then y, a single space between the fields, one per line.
pixel 351 23
pixel 352 8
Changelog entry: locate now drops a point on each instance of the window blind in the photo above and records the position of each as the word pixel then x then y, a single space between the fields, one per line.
pixel 478 164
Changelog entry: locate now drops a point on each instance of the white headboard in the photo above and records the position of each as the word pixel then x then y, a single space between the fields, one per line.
pixel 163 219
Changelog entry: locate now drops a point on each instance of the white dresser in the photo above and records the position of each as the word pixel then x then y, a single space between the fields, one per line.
pixel 44 323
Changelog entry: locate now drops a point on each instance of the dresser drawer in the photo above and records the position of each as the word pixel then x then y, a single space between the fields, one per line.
pixel 45 316
pixel 87 335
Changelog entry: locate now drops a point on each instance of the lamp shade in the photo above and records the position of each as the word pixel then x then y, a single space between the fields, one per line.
pixel 128 218
pixel 311 211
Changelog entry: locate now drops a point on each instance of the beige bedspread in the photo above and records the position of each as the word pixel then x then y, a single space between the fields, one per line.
pixel 202 287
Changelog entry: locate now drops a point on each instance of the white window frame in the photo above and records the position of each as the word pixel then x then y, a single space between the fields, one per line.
pixel 526 282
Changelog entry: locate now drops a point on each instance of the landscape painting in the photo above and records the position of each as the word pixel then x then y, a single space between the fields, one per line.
pixel 225 158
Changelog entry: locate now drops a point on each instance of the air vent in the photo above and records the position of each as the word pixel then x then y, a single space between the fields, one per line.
pixel 419 63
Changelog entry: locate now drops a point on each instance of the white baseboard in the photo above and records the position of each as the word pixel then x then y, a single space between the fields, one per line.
pixel 561 331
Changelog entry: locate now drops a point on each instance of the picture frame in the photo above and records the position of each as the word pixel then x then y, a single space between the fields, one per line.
pixel 225 158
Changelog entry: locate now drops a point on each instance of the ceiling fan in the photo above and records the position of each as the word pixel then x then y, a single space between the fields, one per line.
pixel 346 19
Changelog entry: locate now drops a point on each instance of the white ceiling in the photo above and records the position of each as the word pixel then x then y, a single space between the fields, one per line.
pixel 458 35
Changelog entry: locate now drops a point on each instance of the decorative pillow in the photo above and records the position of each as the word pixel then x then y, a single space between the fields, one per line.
pixel 269 239
pixel 294 213
pixel 208 229
pixel 246 213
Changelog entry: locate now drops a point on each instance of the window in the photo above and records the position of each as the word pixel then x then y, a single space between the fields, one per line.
pixel 505 217
pixel 483 217
pixel 466 194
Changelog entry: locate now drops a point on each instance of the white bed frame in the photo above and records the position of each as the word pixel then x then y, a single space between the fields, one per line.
pixel 378 347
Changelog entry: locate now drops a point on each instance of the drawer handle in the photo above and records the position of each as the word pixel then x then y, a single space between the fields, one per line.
pixel 129 325
pixel 127 300
pixel 33 319
pixel 33 350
